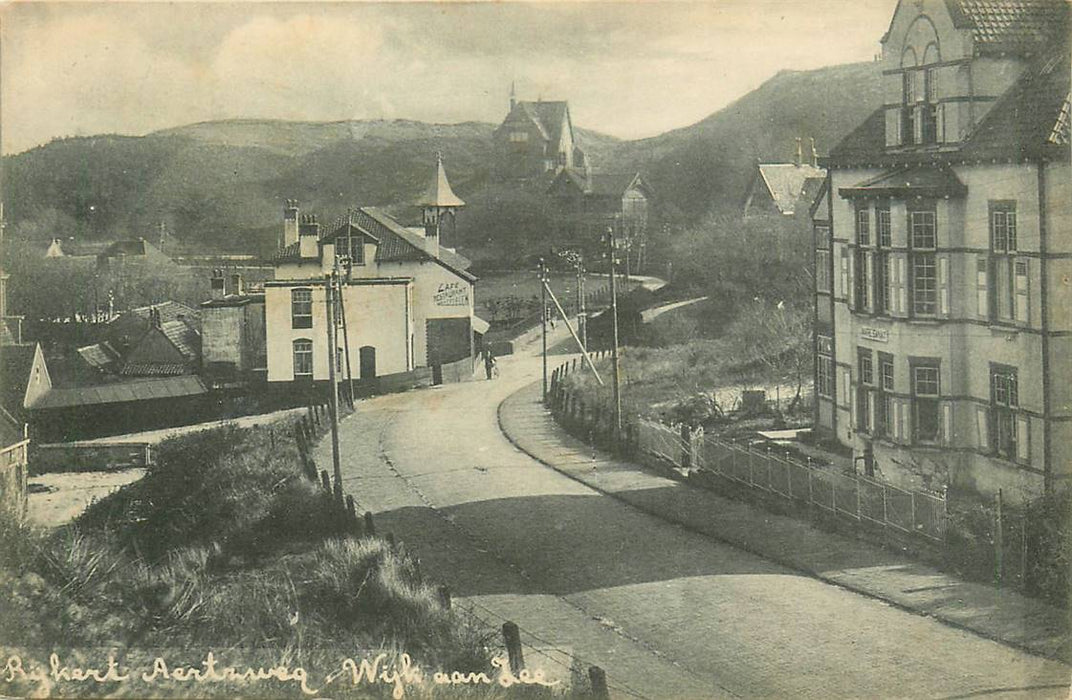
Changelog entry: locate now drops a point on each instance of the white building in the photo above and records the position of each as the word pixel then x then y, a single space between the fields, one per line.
pixel 407 302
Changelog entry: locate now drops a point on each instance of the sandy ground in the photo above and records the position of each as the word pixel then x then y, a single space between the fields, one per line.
pixel 73 493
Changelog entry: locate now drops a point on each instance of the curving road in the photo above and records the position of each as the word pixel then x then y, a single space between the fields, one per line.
pixel 667 613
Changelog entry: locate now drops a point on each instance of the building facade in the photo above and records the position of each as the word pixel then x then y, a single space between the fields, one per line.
pixel 943 242
pixel 406 301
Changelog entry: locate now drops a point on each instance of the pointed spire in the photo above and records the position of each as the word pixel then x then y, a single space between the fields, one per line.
pixel 439 193
pixel 513 96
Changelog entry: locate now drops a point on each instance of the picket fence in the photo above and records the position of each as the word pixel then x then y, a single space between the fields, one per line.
pixel 758 468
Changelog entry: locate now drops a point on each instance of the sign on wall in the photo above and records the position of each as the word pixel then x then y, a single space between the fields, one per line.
pixel 880 335
pixel 451 294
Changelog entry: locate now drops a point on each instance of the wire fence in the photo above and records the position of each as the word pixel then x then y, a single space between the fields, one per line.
pixel 760 469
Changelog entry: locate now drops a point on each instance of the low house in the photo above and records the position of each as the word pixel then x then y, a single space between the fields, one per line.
pixel 589 202
pixel 406 302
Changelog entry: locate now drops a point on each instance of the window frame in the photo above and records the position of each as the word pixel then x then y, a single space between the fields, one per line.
pixel 301 320
pixel 930 400
pixel 1004 409
pixel 865 387
pixel 295 352
pixel 884 400
pixel 923 256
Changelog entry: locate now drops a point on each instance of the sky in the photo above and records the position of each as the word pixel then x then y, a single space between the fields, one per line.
pixel 629 69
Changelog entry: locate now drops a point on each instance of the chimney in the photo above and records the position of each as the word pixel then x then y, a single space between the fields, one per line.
pixel 217 284
pixel 309 236
pixel 237 287
pixel 800 154
pixel 513 97
pixel 290 223
pixel 814 154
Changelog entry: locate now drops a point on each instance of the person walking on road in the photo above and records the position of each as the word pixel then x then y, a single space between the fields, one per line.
pixel 489 362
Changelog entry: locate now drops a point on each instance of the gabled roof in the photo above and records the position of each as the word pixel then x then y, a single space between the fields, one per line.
pixel 153 369
pixel 439 193
pixel 547 116
pixel 396 244
pixel 1027 122
pixel 185 339
pixel 787 182
pixel 169 311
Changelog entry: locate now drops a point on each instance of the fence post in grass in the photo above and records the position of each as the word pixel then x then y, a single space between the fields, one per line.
pixel 351 509
pixel 999 544
pixel 390 537
pixel 686 446
pixel 598 679
pixel 751 480
pixel 325 480
pixel 512 637
pixel 370 527
pixel 443 592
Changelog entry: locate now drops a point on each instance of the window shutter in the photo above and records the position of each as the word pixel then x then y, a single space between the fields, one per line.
pixel 939 119
pixel 982 292
pixel 917 124
pixel 982 427
pixel 852 406
pixel 844 277
pixel 893 127
pixel 943 285
pixel 850 282
pixel 846 382
pixel 902 427
pixel 871 412
pixel 870 268
pixel 947 422
pixel 902 286
pixel 1022 310
pixel 1023 439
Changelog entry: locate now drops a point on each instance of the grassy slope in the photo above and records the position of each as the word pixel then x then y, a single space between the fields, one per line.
pixel 224 546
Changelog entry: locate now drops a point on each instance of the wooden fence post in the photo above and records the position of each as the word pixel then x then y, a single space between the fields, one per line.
pixel 443 593
pixel 370 527
pixel 512 637
pixel 598 679
pixel 325 480
pixel 686 451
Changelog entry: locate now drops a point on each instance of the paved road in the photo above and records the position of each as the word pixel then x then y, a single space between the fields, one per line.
pixel 668 613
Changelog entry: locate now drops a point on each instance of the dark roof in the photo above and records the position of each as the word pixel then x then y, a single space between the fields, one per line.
pixel 232 300
pixel 185 339
pixel 122 392
pixel 99 355
pixel 398 244
pixel 1030 121
pixel 16 361
pixel 915 180
pixel 153 369
pixel 169 311
pixel 439 193
pixel 10 430
pixel 1010 26
pixel 787 183
pixel 547 116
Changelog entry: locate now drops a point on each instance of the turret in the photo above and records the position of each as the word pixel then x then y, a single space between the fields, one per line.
pixel 438 204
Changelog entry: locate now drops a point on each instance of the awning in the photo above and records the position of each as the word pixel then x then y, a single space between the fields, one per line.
pixel 914 181
pixel 480 325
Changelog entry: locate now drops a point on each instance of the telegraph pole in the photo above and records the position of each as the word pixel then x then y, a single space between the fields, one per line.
pixel 345 336
pixel 582 316
pixel 333 355
pixel 611 244
pixel 543 322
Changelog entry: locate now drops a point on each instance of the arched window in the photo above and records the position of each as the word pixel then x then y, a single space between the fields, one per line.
pixel 303 357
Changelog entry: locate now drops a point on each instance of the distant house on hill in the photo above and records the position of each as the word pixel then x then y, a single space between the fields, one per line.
pixel 70 248
pixel 536 138
pixel 134 250
pixel 590 202
pixel 784 188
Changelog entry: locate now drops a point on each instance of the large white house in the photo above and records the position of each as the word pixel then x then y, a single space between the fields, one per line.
pixel 407 301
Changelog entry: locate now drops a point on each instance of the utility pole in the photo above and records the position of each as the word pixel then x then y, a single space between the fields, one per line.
pixel 333 354
pixel 543 322
pixel 582 316
pixel 611 245
pixel 345 336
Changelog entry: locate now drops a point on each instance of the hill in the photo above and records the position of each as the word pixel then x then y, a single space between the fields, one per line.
pixel 708 165
pixel 220 184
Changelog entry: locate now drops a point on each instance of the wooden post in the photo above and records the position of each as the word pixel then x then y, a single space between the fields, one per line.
pixel 333 352
pixel 686 450
pixel 390 537
pixel 370 527
pixel 351 508
pixel 512 637
pixel 999 544
pixel 598 678
pixel 444 596
pixel 325 480
pixel 1023 550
